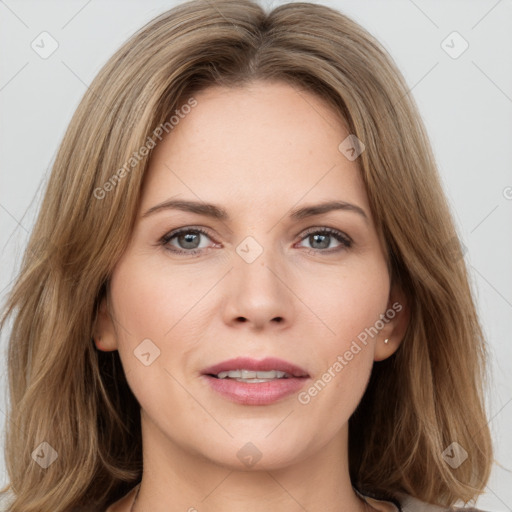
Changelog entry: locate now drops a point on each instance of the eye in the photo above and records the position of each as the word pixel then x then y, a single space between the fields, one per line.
pixel 188 240
pixel 320 239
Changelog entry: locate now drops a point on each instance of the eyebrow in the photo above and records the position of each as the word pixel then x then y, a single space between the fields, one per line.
pixel 217 212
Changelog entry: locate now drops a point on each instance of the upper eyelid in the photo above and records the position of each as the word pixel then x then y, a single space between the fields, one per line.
pixel 327 229
pixel 185 229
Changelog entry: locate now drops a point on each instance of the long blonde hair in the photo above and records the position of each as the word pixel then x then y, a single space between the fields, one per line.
pixel 67 394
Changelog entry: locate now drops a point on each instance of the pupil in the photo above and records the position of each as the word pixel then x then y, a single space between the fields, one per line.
pixel 323 239
pixel 189 240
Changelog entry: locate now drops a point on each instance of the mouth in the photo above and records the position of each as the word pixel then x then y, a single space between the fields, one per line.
pixel 246 368
pixel 252 377
pixel 251 382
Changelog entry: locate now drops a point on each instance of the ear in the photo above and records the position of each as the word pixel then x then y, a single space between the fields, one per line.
pixel 105 337
pixel 396 321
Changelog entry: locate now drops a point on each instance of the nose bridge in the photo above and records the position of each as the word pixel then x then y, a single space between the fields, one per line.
pixel 256 290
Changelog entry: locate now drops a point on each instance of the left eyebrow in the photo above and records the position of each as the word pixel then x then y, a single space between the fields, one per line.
pixel 217 212
pixel 319 209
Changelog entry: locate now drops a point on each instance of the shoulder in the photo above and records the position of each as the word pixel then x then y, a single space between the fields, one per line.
pixel 410 504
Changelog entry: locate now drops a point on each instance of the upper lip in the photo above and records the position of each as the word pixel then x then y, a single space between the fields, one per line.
pixel 262 365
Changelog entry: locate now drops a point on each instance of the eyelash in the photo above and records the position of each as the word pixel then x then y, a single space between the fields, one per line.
pixel 345 241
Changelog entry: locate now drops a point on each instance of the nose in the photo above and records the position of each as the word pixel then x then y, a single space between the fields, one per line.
pixel 258 294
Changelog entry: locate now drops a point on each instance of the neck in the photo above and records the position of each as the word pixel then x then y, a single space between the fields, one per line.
pixel 177 479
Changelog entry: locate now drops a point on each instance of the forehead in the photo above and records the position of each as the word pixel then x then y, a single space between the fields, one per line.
pixel 255 148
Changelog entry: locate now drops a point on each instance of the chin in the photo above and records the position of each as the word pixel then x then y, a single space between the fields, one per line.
pixel 256 453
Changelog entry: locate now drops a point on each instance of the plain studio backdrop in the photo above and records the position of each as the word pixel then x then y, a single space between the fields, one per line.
pixel 456 58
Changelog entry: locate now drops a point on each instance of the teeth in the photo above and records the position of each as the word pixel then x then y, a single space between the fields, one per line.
pixel 250 376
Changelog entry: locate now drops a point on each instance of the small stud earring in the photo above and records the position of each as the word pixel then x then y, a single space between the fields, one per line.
pixel 386 340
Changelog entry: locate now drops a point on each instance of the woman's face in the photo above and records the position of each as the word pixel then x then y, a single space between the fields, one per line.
pixel 259 283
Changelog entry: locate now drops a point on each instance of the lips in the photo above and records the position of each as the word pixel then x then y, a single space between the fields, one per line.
pixel 290 379
pixel 265 365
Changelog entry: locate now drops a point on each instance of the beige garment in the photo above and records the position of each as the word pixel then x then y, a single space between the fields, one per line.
pixel 410 504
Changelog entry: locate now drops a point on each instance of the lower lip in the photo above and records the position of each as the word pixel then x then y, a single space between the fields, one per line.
pixel 257 393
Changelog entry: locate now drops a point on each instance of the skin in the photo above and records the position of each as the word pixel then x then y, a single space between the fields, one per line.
pixel 257 151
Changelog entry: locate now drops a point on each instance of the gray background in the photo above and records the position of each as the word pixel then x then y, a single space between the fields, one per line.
pixel 466 103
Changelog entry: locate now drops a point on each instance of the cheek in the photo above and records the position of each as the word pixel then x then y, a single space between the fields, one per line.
pixel 347 302
pixel 154 314
pixel 151 304
pixel 150 301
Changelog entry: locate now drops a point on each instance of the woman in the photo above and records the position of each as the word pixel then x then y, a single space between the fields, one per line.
pixel 244 288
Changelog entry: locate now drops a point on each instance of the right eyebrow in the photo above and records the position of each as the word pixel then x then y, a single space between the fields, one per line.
pixel 207 209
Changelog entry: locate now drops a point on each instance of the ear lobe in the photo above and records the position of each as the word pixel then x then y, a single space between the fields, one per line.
pixel 105 337
pixel 396 321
